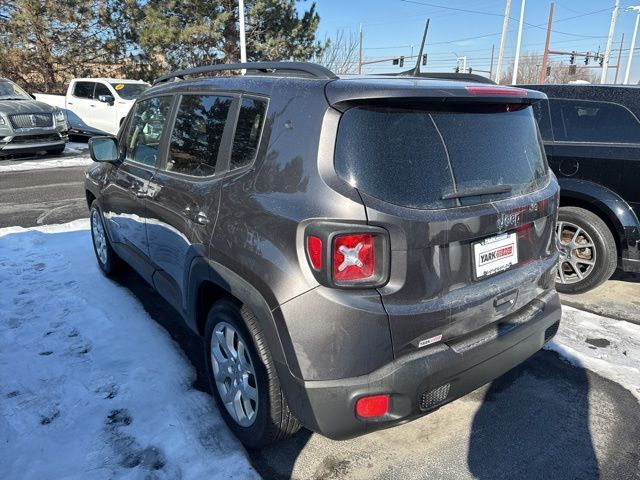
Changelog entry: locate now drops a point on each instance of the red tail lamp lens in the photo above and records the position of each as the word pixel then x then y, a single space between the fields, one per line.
pixel 374 406
pixel 314 250
pixel 353 257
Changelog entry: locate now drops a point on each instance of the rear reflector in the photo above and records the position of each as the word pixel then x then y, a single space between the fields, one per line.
pixel 314 250
pixel 353 257
pixel 374 406
pixel 486 90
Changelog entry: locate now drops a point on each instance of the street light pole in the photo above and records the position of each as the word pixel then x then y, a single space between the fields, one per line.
pixel 503 40
pixel 243 43
pixel 633 44
pixel 607 53
pixel 518 42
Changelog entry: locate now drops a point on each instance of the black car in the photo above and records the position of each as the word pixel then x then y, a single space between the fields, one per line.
pixel 354 252
pixel 591 135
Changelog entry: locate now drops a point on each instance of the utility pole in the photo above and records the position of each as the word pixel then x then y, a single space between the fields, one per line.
pixel 243 43
pixel 607 53
pixel 633 44
pixel 493 47
pixel 615 80
pixel 360 53
pixel 545 57
pixel 503 40
pixel 518 42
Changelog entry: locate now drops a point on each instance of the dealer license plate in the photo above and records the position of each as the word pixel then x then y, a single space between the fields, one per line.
pixel 495 254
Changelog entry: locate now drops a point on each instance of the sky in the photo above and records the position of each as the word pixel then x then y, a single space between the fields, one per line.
pixel 466 27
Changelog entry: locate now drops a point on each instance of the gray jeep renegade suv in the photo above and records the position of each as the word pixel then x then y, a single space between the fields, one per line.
pixel 355 252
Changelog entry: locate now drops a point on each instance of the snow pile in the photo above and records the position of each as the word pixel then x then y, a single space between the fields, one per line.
pixel 90 386
pixel 610 348
pixel 75 155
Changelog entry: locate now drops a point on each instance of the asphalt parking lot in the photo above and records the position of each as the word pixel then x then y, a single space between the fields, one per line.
pixel 545 418
pixel 36 196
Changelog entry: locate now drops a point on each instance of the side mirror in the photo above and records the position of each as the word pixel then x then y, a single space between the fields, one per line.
pixel 103 149
pixel 106 99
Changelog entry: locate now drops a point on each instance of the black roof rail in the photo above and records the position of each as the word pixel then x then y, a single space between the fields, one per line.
pixel 310 69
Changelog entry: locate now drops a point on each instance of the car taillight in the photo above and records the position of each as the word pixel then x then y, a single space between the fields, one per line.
pixel 373 406
pixel 342 255
pixel 314 250
pixel 353 257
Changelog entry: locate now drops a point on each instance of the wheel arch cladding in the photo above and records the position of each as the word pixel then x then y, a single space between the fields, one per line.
pixel 606 204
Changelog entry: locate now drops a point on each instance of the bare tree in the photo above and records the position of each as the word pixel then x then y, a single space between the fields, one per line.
pixel 528 69
pixel 341 54
pixel 563 73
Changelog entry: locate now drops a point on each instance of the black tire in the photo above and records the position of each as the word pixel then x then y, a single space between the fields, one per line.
pixel 273 419
pixel 56 151
pixel 604 247
pixel 110 264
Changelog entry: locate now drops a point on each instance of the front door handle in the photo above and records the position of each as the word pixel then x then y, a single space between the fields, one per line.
pixel 198 217
pixel 201 218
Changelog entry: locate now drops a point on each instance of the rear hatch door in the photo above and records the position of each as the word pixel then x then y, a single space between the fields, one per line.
pixel 462 186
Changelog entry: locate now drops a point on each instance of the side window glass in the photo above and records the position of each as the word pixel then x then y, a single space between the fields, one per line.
pixel 541 112
pixel 248 131
pixel 83 89
pixel 145 129
pixel 197 134
pixel 101 89
pixel 596 122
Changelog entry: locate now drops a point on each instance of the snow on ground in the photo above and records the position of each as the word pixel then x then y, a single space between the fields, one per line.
pixel 90 386
pixel 80 158
pixel 610 348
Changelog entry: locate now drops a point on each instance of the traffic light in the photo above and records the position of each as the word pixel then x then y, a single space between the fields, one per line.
pixel 395 61
pixel 424 59
pixel 586 58
pixel 470 70
pixel 401 62
pixel 572 58
pixel 601 59
pixel 548 71
pixel 458 69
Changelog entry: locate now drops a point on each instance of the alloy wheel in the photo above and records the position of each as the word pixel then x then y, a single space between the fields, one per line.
pixel 99 236
pixel 577 253
pixel 234 374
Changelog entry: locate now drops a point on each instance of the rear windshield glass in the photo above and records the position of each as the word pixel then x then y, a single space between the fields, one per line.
pixel 415 157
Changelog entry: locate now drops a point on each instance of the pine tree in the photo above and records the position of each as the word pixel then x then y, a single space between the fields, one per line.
pixel 46 42
pixel 206 31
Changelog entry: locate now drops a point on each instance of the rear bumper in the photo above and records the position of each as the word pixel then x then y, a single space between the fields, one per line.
pixel 425 380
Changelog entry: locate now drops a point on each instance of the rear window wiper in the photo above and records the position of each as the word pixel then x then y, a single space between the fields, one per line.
pixel 477 191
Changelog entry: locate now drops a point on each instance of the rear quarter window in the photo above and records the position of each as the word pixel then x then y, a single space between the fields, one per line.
pixel 248 131
pixel 414 157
